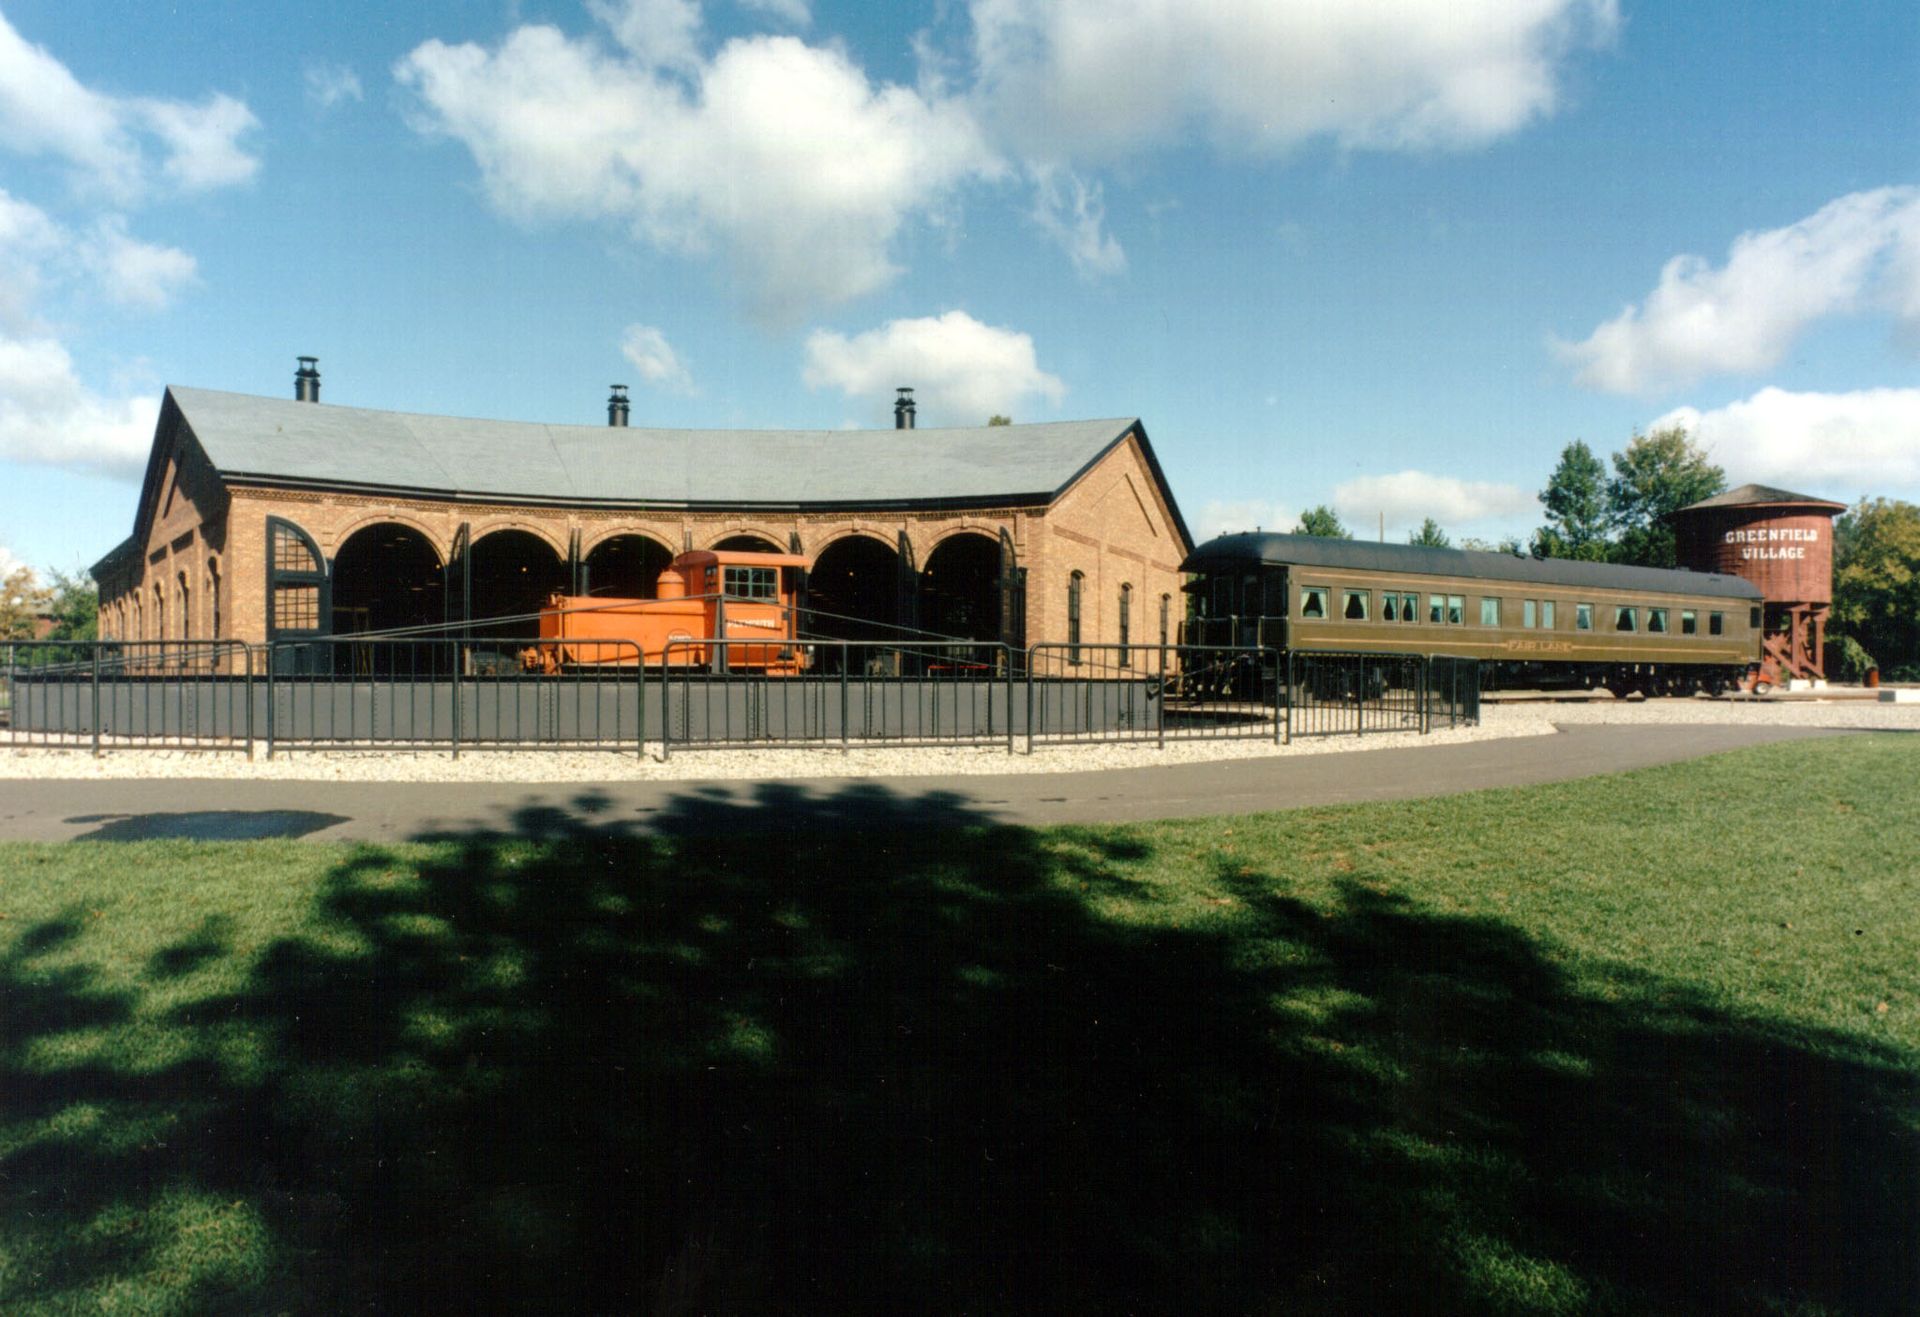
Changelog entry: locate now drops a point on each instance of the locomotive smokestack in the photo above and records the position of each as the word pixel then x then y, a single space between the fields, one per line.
pixel 617 405
pixel 903 410
pixel 306 380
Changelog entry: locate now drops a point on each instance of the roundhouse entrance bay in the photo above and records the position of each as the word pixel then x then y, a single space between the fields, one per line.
pixel 261 519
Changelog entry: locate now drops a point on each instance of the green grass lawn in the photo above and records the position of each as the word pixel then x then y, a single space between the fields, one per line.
pixel 1640 1044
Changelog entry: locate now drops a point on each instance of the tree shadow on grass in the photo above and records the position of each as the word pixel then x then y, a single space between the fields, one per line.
pixel 886 1056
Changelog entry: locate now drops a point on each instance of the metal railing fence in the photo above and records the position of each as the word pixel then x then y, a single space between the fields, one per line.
pixel 418 692
pixel 97 694
pixel 870 692
pixel 1331 694
pixel 1139 693
pixel 356 692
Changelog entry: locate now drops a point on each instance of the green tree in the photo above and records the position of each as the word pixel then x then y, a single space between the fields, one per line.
pixel 1876 579
pixel 1576 503
pixel 1655 477
pixel 1508 544
pixel 74 604
pixel 1430 536
pixel 23 600
pixel 1320 520
pixel 999 420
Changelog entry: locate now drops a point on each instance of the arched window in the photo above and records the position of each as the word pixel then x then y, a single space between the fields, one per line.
pixel 1074 584
pixel 139 619
pixel 1166 613
pixel 213 599
pixel 159 612
pixel 1126 624
pixel 186 606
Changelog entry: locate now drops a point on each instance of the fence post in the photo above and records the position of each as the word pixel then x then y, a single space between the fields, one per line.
pixel 96 699
pixel 1160 717
pixel 666 702
pixel 846 713
pixel 455 676
pixel 1426 694
pixel 1290 656
pixel 1032 653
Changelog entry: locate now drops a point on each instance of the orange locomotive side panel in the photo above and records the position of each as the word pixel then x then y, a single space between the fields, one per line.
pixel 748 596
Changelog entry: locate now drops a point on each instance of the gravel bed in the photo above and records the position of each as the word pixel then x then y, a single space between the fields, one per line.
pixel 1499 721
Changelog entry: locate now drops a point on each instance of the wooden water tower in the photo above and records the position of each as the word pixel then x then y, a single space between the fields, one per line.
pixel 1783 543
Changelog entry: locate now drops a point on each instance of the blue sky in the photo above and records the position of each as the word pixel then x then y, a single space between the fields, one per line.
pixel 1390 257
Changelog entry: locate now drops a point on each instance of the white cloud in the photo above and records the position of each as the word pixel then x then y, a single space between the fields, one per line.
pixel 45 110
pixel 132 272
pixel 1087 80
pixel 658 33
pixel 782 156
pixel 794 13
pixel 1407 498
pixel 1857 254
pixel 36 251
pixel 1839 445
pixel 1230 516
pixel 47 416
pixel 1073 213
pixel 10 562
pixel 659 365
pixel 961 371
pixel 329 85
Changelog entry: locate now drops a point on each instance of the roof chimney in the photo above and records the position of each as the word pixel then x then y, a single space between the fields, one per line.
pixel 617 405
pixel 903 410
pixel 306 380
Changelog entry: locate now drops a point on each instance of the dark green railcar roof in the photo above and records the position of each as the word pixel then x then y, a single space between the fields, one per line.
pixel 1254 549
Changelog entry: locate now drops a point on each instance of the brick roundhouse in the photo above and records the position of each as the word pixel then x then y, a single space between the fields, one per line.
pixel 263 519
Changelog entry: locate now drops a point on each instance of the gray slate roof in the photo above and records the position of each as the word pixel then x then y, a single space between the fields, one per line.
pixel 1238 552
pixel 290 442
pixel 1761 494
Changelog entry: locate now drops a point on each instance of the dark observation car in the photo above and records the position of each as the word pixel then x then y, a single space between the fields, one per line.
pixel 1531 623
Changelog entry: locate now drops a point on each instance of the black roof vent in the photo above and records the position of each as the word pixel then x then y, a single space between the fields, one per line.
pixel 903 410
pixel 306 380
pixel 617 405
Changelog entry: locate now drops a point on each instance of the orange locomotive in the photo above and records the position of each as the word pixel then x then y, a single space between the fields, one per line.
pixel 703 595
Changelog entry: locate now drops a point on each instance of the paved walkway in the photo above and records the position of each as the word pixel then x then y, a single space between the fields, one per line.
pixel 390 811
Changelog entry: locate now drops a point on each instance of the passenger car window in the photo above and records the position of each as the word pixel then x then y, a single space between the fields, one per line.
pixel 1389 607
pixel 1409 608
pixel 1436 603
pixel 1529 613
pixel 1657 621
pixel 1456 610
pixel 1583 617
pixel 1689 621
pixel 1489 612
pixel 1626 618
pixel 1753 618
pixel 1546 614
pixel 1313 601
pixel 1716 624
pixel 1355 608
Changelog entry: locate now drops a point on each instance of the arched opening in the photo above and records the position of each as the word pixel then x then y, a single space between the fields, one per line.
pixel 747 544
pixel 960 589
pixel 853 590
pixel 386 577
pixel 512 573
pixel 625 567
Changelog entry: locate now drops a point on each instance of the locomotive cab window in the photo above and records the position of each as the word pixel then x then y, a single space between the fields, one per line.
pixel 1583 617
pixel 1313 601
pixel 1489 612
pixel 752 582
pixel 1355 608
pixel 1626 618
pixel 1689 622
pixel 1657 621
pixel 1716 624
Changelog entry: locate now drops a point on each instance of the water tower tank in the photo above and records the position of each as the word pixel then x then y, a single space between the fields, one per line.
pixel 1783 543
